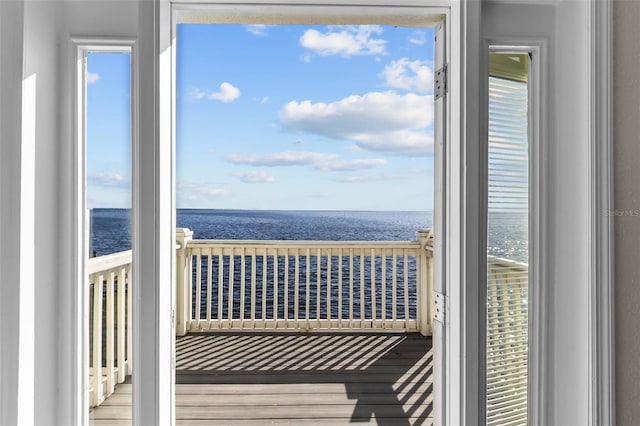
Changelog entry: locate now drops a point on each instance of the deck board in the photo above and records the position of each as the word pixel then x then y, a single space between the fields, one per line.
pixel 294 378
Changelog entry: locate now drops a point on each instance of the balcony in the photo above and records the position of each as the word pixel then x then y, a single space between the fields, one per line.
pixel 292 332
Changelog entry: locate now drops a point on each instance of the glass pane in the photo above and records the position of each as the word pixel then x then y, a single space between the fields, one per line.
pixel 108 174
pixel 508 238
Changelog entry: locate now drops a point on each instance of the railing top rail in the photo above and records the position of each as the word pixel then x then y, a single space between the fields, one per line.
pixel 108 261
pixel 303 244
pixel 506 263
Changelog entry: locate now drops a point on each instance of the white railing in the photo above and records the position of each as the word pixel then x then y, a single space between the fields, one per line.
pixel 303 285
pixel 318 285
pixel 507 341
pixel 110 328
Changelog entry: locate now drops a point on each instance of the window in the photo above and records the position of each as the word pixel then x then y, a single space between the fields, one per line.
pixel 507 343
pixel 105 142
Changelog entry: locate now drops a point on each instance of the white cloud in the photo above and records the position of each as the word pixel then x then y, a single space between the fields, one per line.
pixel 197 94
pixel 199 192
pixel 377 121
pixel 318 160
pixel 401 142
pixel 352 165
pixel 409 75
pixel 288 158
pixel 227 93
pixel 361 178
pixel 214 191
pixel 346 42
pixel 258 176
pixel 259 30
pixel 418 37
pixel 108 179
pixel 92 77
pixel 409 174
pixel 373 112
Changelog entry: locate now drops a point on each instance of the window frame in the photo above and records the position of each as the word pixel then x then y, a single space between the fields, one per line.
pixel 538 223
pixel 82 46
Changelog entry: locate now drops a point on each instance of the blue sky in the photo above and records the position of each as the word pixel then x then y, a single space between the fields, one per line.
pixel 282 117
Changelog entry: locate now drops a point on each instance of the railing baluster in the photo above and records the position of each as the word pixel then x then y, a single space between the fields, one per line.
pixel 243 270
pixel 394 288
pixel 373 289
pixel 209 283
pixel 130 283
pixel 97 339
pixel 308 286
pixel 286 287
pixel 329 286
pixel 296 290
pixel 406 286
pixel 110 325
pixel 121 297
pixel 220 286
pixel 232 261
pixel 253 289
pixel 275 288
pixel 340 287
pixel 318 283
pixel 264 289
pixel 189 279
pixel 383 288
pixel 198 253
pixel 362 285
pixel 351 287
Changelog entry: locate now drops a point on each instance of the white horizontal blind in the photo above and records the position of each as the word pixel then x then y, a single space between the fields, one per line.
pixel 508 235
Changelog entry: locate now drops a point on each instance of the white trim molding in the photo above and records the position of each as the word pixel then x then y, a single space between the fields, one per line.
pixel 17 190
pixel 153 224
pixel 602 319
pixel 465 250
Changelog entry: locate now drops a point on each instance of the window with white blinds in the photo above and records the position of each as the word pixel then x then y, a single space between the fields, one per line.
pixel 507 240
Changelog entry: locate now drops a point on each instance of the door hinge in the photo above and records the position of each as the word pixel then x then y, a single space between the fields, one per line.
pixel 439 307
pixel 440 82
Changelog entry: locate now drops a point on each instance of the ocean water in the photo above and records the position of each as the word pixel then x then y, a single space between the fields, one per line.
pixel 110 232
pixel 110 228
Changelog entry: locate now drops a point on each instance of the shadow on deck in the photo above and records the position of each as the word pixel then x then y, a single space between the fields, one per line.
pixel 293 378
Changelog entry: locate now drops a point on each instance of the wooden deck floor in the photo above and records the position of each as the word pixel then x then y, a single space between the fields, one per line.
pixel 289 378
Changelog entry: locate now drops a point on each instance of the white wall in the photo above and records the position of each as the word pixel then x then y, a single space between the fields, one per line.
pixel 570 229
pixel 627 197
pixel 15 364
pixel 565 161
pixel 41 65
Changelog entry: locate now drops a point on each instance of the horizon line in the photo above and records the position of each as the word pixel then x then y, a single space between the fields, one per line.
pixel 275 210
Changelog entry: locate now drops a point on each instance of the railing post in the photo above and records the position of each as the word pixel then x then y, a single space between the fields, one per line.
pixel 183 281
pixel 424 281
